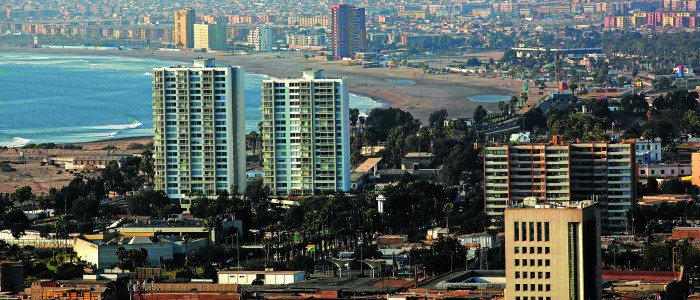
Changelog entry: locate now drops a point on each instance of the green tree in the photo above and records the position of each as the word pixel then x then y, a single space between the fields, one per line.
pixel 479 114
pixel 354 116
pixel 437 118
pixel 132 258
pixel 17 221
pixel 23 194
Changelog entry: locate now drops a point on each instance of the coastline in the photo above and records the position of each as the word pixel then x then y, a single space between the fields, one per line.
pixel 429 93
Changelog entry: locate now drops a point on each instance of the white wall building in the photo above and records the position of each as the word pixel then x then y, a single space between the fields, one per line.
pixel 306 134
pixel 648 151
pixel 199 121
pixel 261 39
pixel 267 277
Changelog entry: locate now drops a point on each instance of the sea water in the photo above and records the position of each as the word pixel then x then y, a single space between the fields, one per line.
pixel 63 98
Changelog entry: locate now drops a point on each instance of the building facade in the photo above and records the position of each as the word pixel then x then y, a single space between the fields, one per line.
pixel 306 134
pixel 210 36
pixel 648 151
pixel 563 172
pixel 261 39
pixel 183 35
pixel 348 30
pixel 552 251
pixel 199 121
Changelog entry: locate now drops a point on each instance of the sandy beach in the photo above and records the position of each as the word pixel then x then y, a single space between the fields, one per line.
pixel 427 94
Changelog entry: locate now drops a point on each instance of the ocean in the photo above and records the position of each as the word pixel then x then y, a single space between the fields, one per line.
pixel 82 98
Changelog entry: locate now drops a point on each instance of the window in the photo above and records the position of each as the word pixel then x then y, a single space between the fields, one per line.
pixel 516 232
pixel 546 275
pixel 539 275
pixel 532 231
pixel 539 287
pixel 517 262
pixel 517 274
pixel 517 287
pixel 546 231
pixel 642 172
pixel 524 250
pixel 539 250
pixel 523 231
pixel 525 275
pixel 539 262
pixel 546 262
pixel 516 250
pixel 532 262
pixel 539 231
pixel 546 250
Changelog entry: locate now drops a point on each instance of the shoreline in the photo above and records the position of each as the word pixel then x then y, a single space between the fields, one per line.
pixel 374 96
pixel 430 92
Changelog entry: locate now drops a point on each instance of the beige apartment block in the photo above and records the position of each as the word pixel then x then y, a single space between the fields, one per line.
pixel 183 34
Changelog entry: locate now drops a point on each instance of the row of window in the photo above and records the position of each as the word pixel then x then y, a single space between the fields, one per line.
pixel 521 231
pixel 532 275
pixel 533 287
pixel 532 250
pixel 539 262
pixel 663 172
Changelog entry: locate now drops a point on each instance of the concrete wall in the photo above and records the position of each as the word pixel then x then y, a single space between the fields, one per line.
pixel 105 256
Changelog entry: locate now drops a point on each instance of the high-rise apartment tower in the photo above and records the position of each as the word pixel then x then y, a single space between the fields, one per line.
pixel 348 30
pixel 199 121
pixel 183 34
pixel 306 134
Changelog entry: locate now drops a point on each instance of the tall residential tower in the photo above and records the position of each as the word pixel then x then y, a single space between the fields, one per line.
pixel 199 121
pixel 306 134
pixel 183 34
pixel 348 30
pixel 560 171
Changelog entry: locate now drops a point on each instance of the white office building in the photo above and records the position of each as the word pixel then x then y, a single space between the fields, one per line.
pixel 306 134
pixel 199 121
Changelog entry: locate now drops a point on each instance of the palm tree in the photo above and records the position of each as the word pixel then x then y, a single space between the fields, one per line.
pixel 253 137
pixel 209 225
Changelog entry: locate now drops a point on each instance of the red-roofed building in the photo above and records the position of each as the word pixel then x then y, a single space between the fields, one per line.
pixel 668 284
pixel 680 233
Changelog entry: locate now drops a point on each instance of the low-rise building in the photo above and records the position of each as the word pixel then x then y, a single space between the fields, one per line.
pixel 102 253
pixel 482 239
pixel 648 151
pixel 260 277
pixel 665 198
pixel 662 170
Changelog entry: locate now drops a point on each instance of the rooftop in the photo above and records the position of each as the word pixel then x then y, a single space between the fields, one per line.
pixel 368 164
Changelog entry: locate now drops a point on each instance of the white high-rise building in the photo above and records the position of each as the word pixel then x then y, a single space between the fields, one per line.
pixel 199 121
pixel 261 39
pixel 306 134
pixel 210 36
